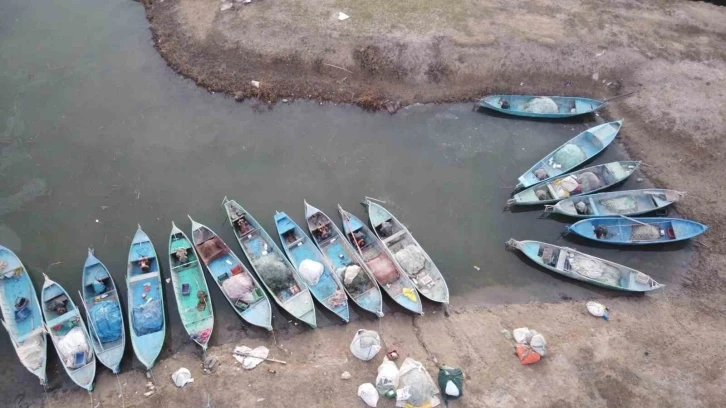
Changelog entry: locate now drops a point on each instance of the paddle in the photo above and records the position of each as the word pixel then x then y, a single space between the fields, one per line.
pixel 633 220
pixel 347 222
pixel 261 358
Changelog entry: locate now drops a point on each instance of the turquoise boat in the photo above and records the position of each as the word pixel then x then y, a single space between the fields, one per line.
pixel 586 181
pixel 274 270
pixel 103 313
pixel 21 314
pixel 302 253
pixel 65 326
pixel 555 107
pixel 145 301
pixel 586 268
pixel 637 231
pixel 572 154
pixel 251 303
pixel 407 253
pixel 190 288
pixel 629 202
pixel 387 273
pixel 361 286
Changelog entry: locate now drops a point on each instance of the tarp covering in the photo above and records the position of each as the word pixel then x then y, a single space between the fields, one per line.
pixel 106 318
pixel 71 344
pixel 148 318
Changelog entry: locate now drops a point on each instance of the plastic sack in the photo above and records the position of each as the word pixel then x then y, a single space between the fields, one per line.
pixel 451 382
pixel 528 337
pixel 411 259
pixel 597 309
pixel 538 344
pixel 367 392
pixel 239 287
pixel 106 318
pixel 527 355
pixel 148 318
pixel 520 335
pixel 416 384
pixel 182 377
pixel 311 271
pixel 250 358
pixel 387 378
pixel 351 272
pixel 73 343
pixel 366 344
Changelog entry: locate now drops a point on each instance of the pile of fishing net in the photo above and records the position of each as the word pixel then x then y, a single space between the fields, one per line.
pixel 645 233
pixel 620 205
pixel 412 259
pixel 32 351
pixel 588 181
pixel 569 156
pixel 594 269
pixel 354 278
pixel 275 273
pixel 541 104
pixel 239 287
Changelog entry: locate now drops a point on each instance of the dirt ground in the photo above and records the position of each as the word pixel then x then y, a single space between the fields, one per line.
pixel 660 350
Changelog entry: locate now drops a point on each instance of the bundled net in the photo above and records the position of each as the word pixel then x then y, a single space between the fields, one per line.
pixel 569 156
pixel 645 233
pixel 275 273
pixel 620 205
pixel 540 104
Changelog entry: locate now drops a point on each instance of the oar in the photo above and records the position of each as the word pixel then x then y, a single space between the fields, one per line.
pixel 633 220
pixel 261 358
pixel 347 222
pixel 620 96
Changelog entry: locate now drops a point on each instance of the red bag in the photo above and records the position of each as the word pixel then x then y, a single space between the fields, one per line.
pixel 527 355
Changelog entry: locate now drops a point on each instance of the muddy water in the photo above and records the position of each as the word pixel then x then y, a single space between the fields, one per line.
pixel 97 135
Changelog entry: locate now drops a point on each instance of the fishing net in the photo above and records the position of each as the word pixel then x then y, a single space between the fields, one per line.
pixel 211 249
pixel 594 269
pixel 411 259
pixel 355 279
pixel 645 233
pixel 274 272
pixel 569 156
pixel 106 318
pixel 620 205
pixel 540 104
pixel 239 287
pixel 32 351
pixel 416 384
pixel 147 318
pixel 588 181
pixel 383 269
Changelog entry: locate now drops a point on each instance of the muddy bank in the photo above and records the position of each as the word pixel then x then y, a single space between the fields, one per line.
pixel 629 361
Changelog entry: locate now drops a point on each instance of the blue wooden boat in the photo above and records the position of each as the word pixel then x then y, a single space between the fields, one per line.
pixel 387 273
pixel 402 247
pixel 328 290
pixel 637 231
pixel 268 261
pixel 340 254
pixel 526 105
pixel 190 288
pixel 253 306
pixel 572 154
pixel 586 268
pixel 66 328
pixel 21 314
pixel 103 313
pixel 630 202
pixel 586 181
pixel 145 301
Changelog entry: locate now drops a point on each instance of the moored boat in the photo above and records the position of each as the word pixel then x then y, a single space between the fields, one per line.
pixel 572 154
pixel 240 287
pixel 387 273
pixel 190 288
pixel 629 202
pixel 312 266
pixel 66 328
pixel 103 313
pixel 21 314
pixel 586 268
pixel 345 261
pixel 408 253
pixel 552 107
pixel 145 302
pixel 637 231
pixel 586 181
pixel 274 270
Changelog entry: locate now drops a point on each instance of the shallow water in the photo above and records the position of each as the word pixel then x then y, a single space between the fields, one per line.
pixel 97 135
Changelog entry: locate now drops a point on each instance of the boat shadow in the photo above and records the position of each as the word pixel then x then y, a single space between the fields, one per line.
pixel 575 120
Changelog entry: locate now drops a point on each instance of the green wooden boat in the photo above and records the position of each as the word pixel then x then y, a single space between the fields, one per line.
pixel 190 288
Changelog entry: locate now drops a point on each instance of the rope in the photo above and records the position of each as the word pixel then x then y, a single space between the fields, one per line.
pixel 90 395
pixel 121 391
pixel 156 388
